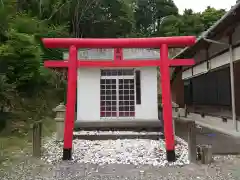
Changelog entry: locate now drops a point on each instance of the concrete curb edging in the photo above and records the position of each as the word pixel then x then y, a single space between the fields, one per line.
pixel 221 130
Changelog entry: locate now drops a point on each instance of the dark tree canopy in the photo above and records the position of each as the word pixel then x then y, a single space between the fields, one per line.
pixel 24 22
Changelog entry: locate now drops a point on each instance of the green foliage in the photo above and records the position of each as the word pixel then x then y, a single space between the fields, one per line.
pixel 210 16
pixel 25 83
pixel 150 13
pixel 7 93
pixel 190 23
pixel 3 22
pixel 21 55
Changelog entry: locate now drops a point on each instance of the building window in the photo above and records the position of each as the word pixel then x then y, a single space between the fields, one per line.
pixel 117 93
pixel 108 97
pixel 138 86
pixel 126 97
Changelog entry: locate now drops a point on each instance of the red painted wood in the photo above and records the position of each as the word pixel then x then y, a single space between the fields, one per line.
pixel 118 54
pixel 71 98
pixel 119 63
pixel 119 42
pixel 166 98
pixel 94 64
pixel 164 64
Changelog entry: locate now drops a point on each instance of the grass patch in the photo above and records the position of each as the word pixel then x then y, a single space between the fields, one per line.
pixel 15 146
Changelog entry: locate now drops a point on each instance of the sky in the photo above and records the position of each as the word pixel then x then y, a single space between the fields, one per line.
pixel 200 5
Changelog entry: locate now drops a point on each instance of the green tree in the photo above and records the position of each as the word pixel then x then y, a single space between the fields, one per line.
pixel 210 16
pixel 114 18
pixel 24 22
pixel 189 23
pixel 149 14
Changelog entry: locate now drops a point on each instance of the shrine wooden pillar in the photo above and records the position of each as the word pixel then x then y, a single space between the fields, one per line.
pixel 71 102
pixel 167 102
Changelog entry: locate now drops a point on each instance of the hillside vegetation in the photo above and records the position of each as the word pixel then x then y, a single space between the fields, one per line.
pixel 28 91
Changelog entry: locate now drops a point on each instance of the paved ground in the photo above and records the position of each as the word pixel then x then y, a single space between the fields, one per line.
pixel 222 169
pixel 221 143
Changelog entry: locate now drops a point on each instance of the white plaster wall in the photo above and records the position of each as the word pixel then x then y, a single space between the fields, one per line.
pixel 200 68
pixel 236 54
pixel 88 95
pixel 220 60
pixel 149 106
pixel 187 74
pixel 236 35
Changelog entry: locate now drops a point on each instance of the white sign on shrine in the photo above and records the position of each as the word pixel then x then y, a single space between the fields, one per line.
pixel 108 54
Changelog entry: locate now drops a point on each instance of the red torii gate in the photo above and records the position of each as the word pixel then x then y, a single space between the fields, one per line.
pixel 73 64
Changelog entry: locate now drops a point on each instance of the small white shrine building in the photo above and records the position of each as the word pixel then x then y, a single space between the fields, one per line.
pixel 105 94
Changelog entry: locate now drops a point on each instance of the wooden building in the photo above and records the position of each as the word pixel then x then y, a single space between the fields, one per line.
pixel 209 87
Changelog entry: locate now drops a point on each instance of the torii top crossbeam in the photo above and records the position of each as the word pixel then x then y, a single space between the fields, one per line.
pixel 119 42
pixel 163 43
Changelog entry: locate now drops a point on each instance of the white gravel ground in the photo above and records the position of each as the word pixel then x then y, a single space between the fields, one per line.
pixel 137 151
pixel 120 151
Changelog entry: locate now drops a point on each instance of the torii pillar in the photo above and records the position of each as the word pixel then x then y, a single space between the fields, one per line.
pixel 163 62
